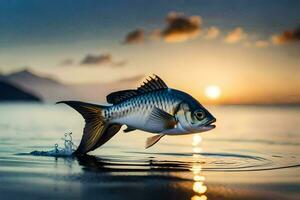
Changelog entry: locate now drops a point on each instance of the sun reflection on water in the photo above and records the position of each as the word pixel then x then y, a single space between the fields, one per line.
pixel 196 140
pixel 198 187
pixel 196 197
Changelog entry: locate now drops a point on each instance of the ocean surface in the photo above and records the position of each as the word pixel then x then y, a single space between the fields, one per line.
pixel 254 153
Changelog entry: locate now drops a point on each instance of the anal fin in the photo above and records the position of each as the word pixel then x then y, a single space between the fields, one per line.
pixel 153 140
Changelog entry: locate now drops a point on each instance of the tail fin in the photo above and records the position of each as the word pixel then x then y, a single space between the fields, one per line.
pixel 96 131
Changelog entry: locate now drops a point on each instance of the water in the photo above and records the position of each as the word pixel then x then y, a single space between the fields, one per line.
pixel 66 151
pixel 252 154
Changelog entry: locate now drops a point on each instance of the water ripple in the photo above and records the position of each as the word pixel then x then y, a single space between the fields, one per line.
pixel 208 161
pixel 170 162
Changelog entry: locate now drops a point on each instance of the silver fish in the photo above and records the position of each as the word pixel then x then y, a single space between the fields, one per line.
pixel 153 107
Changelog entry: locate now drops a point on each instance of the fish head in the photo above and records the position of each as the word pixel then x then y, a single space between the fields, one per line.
pixel 195 119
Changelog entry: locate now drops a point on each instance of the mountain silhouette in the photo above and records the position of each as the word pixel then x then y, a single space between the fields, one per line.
pixel 51 90
pixel 10 92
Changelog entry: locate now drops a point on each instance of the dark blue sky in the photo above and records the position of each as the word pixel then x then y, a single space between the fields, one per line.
pixel 40 22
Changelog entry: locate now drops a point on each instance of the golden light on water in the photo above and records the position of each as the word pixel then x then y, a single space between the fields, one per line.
pixel 197 149
pixel 198 186
pixel 199 178
pixel 196 197
pixel 196 140
pixel 196 169
pixel 212 92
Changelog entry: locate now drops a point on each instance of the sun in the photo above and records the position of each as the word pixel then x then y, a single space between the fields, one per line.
pixel 212 92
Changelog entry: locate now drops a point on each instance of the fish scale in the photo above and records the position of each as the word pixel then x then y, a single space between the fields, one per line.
pixel 135 111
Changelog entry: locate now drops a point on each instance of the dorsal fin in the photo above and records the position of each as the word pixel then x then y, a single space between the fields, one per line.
pixel 150 85
pixel 120 96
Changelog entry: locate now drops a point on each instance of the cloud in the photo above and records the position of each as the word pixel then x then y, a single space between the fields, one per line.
pixel 212 33
pixel 102 59
pixel 67 62
pixel 235 35
pixel 119 63
pixel 155 34
pixel 262 43
pixel 286 37
pixel 91 59
pixel 181 28
pixel 135 37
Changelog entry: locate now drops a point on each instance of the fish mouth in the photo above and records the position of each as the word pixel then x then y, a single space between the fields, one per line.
pixel 209 125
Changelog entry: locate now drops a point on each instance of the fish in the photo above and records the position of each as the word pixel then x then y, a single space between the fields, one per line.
pixel 153 107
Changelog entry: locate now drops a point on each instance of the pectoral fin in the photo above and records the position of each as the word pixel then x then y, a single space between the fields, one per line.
pixel 152 140
pixel 161 120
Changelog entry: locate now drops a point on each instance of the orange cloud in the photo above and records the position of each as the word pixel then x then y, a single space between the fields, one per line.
pixel 235 35
pixel 286 37
pixel 212 33
pixel 181 28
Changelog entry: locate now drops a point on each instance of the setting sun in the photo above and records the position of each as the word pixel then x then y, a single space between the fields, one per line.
pixel 212 92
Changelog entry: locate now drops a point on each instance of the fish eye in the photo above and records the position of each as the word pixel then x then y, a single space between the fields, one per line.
pixel 199 114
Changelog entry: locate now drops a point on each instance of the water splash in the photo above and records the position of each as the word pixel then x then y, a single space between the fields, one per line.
pixel 66 151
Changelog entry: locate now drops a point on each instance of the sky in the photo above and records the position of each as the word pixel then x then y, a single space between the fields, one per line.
pixel 249 49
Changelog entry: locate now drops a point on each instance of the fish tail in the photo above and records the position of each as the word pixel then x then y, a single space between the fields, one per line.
pixel 97 130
